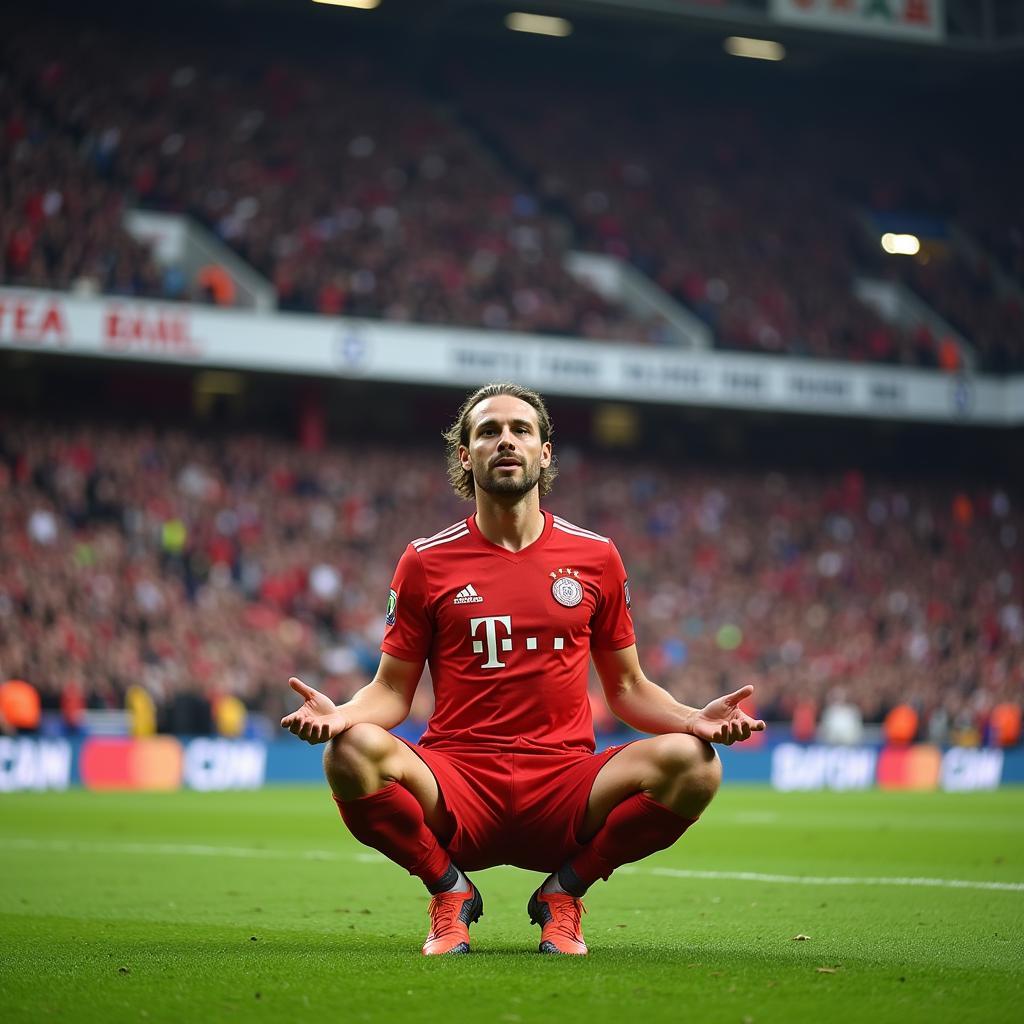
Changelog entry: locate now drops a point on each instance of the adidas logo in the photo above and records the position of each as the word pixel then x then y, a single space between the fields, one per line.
pixel 467 595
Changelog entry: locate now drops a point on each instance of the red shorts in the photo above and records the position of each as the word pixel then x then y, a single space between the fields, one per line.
pixel 523 809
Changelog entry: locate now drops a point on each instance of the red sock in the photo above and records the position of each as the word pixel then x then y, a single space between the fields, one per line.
pixel 391 821
pixel 635 829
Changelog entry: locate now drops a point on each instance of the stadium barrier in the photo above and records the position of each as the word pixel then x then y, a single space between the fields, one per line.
pixel 201 763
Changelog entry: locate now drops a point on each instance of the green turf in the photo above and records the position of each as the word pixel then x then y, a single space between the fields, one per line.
pixel 196 907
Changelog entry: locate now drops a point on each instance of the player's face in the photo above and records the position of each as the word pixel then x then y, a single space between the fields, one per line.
pixel 505 453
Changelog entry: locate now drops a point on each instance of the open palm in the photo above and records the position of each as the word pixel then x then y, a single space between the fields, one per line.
pixel 722 721
pixel 316 721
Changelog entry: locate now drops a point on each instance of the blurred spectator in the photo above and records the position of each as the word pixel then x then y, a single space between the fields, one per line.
pixel 949 356
pixel 72 706
pixel 229 716
pixel 20 706
pixel 216 285
pixel 141 711
pixel 841 721
pixel 900 726
pixel 190 712
pixel 1005 724
pixel 805 719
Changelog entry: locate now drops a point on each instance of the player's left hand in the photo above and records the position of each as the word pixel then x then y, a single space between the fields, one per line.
pixel 722 721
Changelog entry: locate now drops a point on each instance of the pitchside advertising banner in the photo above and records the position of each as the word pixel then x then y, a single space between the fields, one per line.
pixel 917 20
pixel 169 763
pixel 921 767
pixel 58 323
pixel 122 763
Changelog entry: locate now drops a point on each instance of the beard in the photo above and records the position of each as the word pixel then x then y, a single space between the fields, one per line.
pixel 512 486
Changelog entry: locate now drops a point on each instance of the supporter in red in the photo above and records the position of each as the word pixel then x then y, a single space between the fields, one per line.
pixel 1005 724
pixel 950 360
pixel 508 606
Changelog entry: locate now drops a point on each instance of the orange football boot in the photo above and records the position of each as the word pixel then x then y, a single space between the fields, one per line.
pixel 451 914
pixel 558 915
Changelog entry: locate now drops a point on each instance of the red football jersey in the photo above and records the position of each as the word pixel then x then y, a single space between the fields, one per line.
pixel 508 634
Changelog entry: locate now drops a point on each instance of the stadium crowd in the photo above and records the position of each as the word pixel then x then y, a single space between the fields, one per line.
pixel 198 568
pixel 60 225
pixel 342 184
pixel 969 297
pixel 755 218
pixel 355 191
pixel 674 191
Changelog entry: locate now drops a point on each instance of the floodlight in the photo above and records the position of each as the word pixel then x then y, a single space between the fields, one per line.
pixel 756 49
pixel 538 24
pixel 901 245
pixel 362 5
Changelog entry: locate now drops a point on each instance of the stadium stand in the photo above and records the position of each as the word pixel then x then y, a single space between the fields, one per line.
pixel 140 557
pixel 60 223
pixel 968 296
pixel 357 191
pixel 342 184
pixel 751 215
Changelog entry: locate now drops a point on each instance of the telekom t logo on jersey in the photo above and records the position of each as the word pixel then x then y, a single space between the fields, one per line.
pixel 495 643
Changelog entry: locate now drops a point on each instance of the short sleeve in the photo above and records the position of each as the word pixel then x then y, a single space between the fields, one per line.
pixel 408 626
pixel 612 628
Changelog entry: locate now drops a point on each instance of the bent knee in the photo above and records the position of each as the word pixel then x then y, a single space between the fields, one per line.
pixel 679 752
pixel 357 748
pixel 686 759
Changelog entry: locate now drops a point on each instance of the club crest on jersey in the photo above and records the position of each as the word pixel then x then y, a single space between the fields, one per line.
pixel 392 612
pixel 566 588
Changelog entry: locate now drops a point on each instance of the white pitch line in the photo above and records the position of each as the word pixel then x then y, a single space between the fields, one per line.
pixel 183 849
pixel 256 853
pixel 753 876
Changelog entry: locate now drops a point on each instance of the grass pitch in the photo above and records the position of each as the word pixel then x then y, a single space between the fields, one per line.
pixel 259 906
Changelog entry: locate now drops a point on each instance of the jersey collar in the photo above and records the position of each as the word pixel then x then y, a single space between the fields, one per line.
pixel 513 556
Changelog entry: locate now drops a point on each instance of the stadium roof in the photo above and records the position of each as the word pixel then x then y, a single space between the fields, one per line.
pixel 987 27
pixel 981 27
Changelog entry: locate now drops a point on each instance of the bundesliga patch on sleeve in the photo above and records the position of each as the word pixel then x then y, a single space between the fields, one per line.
pixel 389 619
pixel 625 591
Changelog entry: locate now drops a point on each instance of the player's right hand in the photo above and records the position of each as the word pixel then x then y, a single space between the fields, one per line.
pixel 317 720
